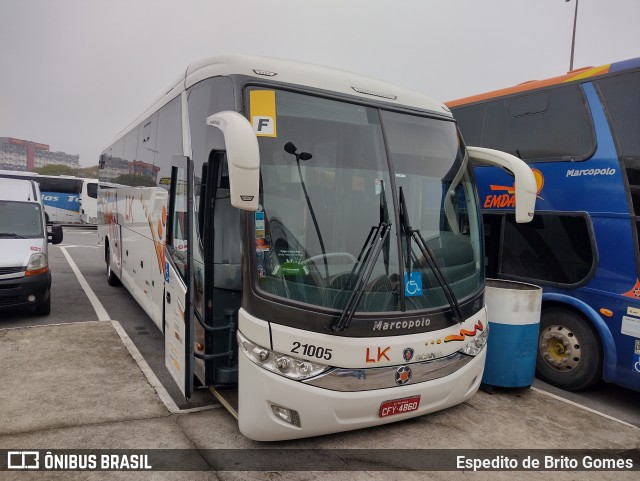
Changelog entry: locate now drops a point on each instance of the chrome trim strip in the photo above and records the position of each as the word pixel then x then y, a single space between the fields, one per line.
pixel 367 379
pixel 16 275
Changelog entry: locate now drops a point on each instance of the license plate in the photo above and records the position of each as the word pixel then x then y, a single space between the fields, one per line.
pixel 399 406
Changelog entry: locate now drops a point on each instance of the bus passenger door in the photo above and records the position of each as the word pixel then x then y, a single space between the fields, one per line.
pixel 178 326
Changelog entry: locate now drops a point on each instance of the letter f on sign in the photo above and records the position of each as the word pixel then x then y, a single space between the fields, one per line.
pixel 263 125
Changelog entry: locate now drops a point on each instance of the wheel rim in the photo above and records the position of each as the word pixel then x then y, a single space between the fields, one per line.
pixel 559 347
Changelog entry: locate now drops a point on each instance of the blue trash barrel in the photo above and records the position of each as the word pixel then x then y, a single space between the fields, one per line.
pixel 514 322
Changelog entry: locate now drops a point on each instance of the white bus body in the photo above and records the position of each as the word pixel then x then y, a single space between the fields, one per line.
pixel 61 195
pixel 89 202
pixel 309 235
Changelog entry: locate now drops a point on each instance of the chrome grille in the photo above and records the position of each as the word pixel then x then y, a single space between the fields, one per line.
pixel 367 379
pixel 10 270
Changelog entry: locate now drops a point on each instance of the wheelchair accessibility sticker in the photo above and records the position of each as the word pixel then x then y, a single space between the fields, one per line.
pixel 413 284
pixel 636 363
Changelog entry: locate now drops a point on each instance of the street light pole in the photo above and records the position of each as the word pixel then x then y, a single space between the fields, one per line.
pixel 573 36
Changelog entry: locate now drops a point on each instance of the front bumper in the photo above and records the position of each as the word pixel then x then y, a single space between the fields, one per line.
pixel 324 411
pixel 15 292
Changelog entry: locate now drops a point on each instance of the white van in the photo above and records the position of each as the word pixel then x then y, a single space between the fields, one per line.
pixel 25 278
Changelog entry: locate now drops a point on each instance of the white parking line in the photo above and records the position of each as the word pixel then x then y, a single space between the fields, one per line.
pixel 164 396
pixel 95 302
pixel 150 375
pixel 584 407
pixel 73 245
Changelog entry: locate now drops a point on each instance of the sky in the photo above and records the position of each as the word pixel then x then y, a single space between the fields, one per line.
pixel 74 73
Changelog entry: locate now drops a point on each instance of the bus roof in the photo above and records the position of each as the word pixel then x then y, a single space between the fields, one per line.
pixel 572 76
pixel 295 73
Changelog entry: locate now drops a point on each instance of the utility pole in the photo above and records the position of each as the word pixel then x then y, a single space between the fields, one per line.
pixel 573 36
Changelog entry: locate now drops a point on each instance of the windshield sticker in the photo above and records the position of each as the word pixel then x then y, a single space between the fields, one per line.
pixel 260 265
pixel 637 347
pixel 261 245
pixel 636 363
pixel 412 284
pixel 263 112
pixel 259 225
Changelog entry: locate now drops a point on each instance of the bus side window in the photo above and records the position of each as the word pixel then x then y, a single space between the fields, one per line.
pixel 177 245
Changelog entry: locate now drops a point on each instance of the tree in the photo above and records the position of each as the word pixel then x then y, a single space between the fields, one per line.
pixel 55 169
pixel 89 172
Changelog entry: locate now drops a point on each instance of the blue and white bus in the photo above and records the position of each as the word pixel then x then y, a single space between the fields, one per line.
pixel 64 197
pixel 580 133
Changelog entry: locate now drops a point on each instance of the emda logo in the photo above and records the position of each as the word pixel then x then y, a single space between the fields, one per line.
pixel 508 199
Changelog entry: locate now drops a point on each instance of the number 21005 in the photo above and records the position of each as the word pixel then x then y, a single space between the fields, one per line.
pixel 311 350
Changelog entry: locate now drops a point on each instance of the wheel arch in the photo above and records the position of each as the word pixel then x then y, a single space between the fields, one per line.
pixel 551 300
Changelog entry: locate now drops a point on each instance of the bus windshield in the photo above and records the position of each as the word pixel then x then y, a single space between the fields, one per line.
pixel 325 170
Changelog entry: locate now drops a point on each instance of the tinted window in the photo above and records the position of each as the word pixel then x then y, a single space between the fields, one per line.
pixel 549 125
pixel 169 141
pixel 92 190
pixel 470 121
pixel 551 248
pixel 622 98
pixel 62 185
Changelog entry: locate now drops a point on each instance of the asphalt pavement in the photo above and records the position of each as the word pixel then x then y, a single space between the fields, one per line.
pixel 73 381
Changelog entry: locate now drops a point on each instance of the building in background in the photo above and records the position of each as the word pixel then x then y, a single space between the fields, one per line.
pixel 25 155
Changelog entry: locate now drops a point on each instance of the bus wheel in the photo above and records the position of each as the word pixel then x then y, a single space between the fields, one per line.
pixel 112 279
pixel 569 351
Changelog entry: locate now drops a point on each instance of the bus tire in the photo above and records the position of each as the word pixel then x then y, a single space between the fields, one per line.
pixel 569 350
pixel 112 278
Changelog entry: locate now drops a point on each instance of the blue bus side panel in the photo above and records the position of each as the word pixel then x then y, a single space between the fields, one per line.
pixel 594 186
pixel 62 207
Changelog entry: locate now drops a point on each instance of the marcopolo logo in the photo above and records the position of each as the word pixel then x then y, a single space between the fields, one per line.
pixel 590 172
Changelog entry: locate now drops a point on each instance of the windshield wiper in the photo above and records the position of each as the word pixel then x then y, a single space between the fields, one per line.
pixel 377 239
pixel 415 234
pixel 11 235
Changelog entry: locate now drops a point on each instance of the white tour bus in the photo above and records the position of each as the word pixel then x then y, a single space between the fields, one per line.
pixel 65 198
pixel 309 242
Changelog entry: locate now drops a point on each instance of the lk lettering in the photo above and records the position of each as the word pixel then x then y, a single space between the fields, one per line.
pixel 382 353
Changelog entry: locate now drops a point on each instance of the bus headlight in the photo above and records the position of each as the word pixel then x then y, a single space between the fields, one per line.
pixel 282 364
pixel 474 347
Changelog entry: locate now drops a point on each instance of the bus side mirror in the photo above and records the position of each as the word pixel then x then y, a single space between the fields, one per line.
pixel 525 182
pixel 243 158
pixel 55 236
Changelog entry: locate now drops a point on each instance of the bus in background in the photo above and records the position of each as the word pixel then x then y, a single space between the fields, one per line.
pixel 89 202
pixel 60 195
pixel 580 133
pixel 307 239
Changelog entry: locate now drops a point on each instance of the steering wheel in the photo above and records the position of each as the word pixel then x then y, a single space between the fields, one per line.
pixel 329 256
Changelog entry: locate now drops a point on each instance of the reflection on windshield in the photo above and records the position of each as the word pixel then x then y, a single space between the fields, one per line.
pixel 431 167
pixel 322 180
pixel 20 220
